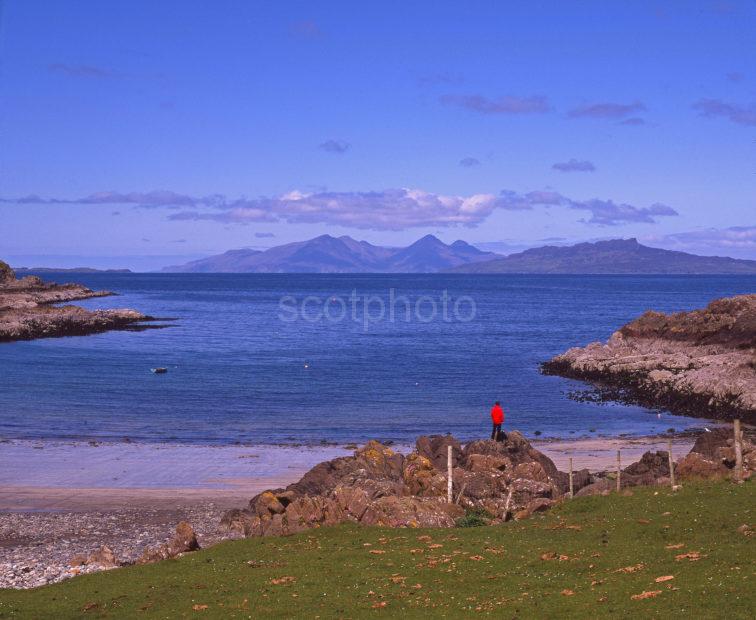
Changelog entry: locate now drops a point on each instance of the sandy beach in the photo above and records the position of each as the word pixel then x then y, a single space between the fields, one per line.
pixel 61 498
pixel 74 476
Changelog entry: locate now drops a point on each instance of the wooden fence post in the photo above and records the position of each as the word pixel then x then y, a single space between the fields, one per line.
pixel 738 449
pixel 671 465
pixel 449 473
pixel 508 502
pixel 619 471
pixel 572 494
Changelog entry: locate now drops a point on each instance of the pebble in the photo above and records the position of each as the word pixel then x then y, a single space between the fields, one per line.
pixel 36 547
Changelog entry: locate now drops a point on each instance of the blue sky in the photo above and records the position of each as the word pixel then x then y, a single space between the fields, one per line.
pixel 151 131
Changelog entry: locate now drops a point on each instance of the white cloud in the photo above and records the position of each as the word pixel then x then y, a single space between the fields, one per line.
pixel 391 209
pixel 733 241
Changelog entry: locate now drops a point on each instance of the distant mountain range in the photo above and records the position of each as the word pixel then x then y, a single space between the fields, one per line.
pixel 618 256
pixel 327 254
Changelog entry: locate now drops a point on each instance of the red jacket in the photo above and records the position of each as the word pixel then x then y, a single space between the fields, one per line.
pixel 497 414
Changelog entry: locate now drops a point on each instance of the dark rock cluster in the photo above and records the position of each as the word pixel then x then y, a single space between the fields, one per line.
pixel 378 486
pixel 503 480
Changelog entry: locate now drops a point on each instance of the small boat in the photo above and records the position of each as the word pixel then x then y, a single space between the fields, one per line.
pixel 159 371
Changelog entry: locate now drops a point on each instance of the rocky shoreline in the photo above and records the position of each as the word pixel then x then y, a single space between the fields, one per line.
pixel 38 548
pixel 492 482
pixel 700 363
pixel 27 310
pixel 496 481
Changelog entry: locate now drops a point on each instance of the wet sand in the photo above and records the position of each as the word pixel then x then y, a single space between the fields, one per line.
pixel 61 499
pixel 54 476
pixel 600 454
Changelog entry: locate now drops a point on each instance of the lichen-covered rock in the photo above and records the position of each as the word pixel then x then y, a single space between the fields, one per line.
pixel 241 521
pixel 422 478
pixel 695 465
pixel 488 462
pixel 434 448
pixel 353 501
pixel 379 486
pixel 532 471
pixel 525 491
pixel 412 512
pixel 749 460
pixel 647 471
pixel 266 504
pixel 307 512
pixel 478 485
pixel 517 450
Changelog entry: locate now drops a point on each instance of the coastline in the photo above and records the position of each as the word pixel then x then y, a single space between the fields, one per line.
pixel 73 475
pixel 698 363
pixel 49 475
pixel 59 499
pixel 31 308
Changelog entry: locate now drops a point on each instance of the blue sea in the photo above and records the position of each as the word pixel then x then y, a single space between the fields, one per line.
pixel 288 358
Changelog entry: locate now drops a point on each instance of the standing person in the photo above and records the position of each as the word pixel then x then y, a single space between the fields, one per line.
pixel 497 417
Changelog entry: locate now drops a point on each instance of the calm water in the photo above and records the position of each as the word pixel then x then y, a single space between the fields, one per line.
pixel 237 372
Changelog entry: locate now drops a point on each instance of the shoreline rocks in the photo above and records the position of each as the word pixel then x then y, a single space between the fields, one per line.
pixel 492 483
pixel 503 480
pixel 27 311
pixel 700 363
pixel 377 486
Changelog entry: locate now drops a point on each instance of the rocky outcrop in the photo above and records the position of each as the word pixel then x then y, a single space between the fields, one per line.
pixel 6 273
pixel 377 486
pixel 700 363
pixel 503 480
pixel 695 465
pixel 711 457
pixel 652 469
pixel 27 311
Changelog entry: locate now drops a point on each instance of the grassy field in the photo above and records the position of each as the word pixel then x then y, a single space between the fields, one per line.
pixel 593 557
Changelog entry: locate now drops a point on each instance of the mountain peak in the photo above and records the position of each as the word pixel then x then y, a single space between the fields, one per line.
pixel 328 254
pixel 463 246
pixel 428 240
pixel 619 243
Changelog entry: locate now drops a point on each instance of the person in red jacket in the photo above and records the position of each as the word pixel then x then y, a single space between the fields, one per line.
pixel 497 417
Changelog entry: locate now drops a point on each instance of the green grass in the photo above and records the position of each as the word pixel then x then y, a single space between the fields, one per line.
pixel 495 571
pixel 476 517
